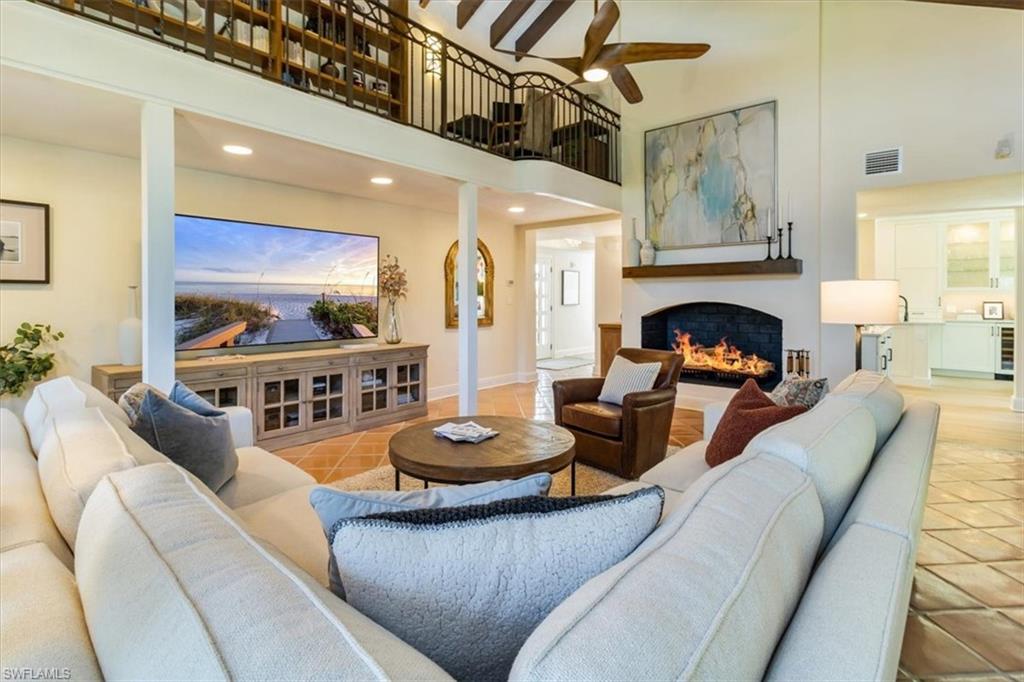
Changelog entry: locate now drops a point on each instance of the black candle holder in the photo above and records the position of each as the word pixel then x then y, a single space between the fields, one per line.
pixel 779 257
pixel 789 255
pixel 769 240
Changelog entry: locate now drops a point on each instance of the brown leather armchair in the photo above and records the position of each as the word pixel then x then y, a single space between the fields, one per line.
pixel 627 440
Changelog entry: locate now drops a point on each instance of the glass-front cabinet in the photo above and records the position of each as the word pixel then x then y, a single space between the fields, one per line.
pixel 980 254
pixel 374 387
pixel 280 405
pixel 327 395
pixel 409 384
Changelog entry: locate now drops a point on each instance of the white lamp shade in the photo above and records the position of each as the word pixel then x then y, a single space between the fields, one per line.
pixel 860 301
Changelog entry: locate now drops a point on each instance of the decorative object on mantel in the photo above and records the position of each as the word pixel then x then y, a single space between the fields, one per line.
pixel 789 252
pixel 484 287
pixel 860 302
pixel 129 331
pixel 394 285
pixel 783 266
pixel 24 242
pixel 633 249
pixel 708 180
pixel 21 362
pixel 992 310
pixel 647 253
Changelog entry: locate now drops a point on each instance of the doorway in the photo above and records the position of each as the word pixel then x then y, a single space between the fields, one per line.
pixel 542 270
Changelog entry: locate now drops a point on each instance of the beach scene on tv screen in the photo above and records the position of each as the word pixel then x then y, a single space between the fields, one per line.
pixel 245 284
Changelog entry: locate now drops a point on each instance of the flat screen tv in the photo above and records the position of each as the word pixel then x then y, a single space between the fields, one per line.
pixel 241 284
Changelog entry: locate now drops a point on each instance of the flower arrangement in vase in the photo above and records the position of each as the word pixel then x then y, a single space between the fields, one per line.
pixel 394 285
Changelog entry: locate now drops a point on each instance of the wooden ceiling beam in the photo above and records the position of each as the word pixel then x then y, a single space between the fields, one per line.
pixel 507 19
pixel 466 10
pixel 541 25
pixel 1000 4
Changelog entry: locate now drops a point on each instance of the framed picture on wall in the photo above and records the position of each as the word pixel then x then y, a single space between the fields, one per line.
pixel 992 310
pixel 570 287
pixel 24 242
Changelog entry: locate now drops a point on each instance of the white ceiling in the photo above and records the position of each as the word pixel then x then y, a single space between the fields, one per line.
pixel 59 112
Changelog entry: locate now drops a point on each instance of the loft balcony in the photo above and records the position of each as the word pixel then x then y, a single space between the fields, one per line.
pixel 370 56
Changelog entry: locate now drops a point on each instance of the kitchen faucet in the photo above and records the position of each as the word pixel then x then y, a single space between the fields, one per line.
pixel 906 308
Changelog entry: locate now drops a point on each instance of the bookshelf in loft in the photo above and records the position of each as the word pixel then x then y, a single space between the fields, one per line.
pixel 288 41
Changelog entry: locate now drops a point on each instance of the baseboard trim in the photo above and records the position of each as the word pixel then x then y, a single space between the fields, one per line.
pixel 1017 403
pixel 449 390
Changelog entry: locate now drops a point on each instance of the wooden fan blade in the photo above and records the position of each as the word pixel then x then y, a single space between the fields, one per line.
pixel 614 54
pixel 624 81
pixel 567 63
pixel 604 21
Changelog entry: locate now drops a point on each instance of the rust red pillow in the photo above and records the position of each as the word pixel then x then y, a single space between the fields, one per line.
pixel 749 413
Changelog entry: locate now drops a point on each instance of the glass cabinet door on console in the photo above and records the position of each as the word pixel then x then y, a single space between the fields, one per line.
pixel 326 397
pixel 280 405
pixel 409 384
pixel 220 394
pixel 373 384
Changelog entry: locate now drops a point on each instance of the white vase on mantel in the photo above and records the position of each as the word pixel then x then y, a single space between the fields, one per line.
pixel 648 253
pixel 632 247
pixel 129 332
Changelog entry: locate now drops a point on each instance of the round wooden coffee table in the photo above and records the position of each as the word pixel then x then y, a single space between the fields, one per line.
pixel 521 448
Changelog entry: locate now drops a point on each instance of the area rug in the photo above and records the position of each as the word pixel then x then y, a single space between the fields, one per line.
pixel 570 362
pixel 589 481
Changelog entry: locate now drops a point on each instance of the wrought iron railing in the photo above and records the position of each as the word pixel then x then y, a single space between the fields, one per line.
pixel 371 56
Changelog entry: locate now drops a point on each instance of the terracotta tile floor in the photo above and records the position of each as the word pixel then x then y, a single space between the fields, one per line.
pixel 966 618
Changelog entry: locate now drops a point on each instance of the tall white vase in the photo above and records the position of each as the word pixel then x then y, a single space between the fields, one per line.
pixel 632 248
pixel 129 332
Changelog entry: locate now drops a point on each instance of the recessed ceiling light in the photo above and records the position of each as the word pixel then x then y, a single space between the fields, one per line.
pixel 237 149
pixel 381 180
pixel 862 215
pixel 516 209
pixel 594 75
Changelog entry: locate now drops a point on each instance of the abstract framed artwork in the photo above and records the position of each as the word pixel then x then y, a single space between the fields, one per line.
pixel 24 242
pixel 712 181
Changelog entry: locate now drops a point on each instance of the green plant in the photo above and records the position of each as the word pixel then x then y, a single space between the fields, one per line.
pixel 338 318
pixel 21 361
pixel 206 313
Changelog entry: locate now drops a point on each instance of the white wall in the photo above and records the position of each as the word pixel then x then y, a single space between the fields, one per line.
pixel 760 51
pixel 95 223
pixel 572 326
pixel 608 280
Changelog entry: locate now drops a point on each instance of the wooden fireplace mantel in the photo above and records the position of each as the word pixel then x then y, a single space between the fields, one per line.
pixel 785 266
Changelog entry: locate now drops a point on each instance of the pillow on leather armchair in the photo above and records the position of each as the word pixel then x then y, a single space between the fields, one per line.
pixel 749 413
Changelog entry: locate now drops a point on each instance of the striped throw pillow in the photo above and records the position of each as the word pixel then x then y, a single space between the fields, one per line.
pixel 625 376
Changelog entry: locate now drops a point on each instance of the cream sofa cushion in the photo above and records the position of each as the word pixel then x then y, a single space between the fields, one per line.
pixel 706 596
pixel 261 475
pixel 24 516
pixel 833 444
pixel 41 622
pixel 879 395
pixel 850 622
pixel 289 523
pixel 80 448
pixel 61 395
pixel 174 587
pixel 679 471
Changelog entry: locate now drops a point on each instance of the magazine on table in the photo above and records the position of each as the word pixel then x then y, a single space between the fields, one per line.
pixel 470 432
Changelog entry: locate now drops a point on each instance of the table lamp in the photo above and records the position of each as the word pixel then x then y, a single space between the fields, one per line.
pixel 860 302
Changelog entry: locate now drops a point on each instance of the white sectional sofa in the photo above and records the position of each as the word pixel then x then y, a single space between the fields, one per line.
pixel 792 561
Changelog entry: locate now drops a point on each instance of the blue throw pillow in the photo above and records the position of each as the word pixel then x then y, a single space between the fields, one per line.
pixel 333 505
pixel 190 432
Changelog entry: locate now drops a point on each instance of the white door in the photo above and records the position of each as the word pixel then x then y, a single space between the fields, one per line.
pixel 542 287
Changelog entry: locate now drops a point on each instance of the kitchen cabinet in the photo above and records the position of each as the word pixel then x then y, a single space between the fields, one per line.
pixel 917 267
pixel 969 347
pixel 980 254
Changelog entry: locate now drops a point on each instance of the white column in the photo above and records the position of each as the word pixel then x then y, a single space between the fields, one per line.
pixel 1017 402
pixel 465 270
pixel 157 161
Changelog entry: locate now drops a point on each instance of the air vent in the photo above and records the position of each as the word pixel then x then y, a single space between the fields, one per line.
pixel 884 162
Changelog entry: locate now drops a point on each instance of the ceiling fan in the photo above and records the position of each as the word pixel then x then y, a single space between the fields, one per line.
pixel 600 60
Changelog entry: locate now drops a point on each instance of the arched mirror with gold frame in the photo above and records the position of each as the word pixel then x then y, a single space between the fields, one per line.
pixel 484 287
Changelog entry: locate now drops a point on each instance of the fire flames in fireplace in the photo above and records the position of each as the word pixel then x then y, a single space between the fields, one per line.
pixel 720 358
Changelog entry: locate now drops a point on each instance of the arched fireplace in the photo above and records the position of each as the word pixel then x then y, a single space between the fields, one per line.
pixel 724 344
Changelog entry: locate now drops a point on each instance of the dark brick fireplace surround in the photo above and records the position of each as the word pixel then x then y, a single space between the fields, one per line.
pixel 750 330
